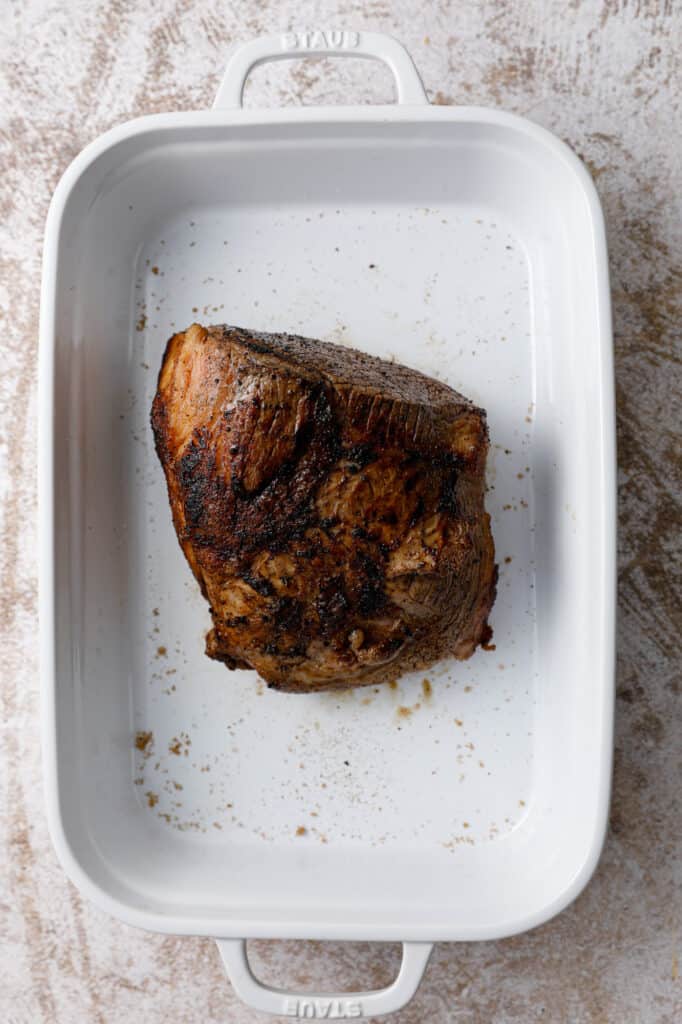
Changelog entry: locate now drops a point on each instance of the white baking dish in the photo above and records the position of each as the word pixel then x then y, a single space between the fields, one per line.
pixel 464 242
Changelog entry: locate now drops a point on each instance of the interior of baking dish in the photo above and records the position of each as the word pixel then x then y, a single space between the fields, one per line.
pixel 465 801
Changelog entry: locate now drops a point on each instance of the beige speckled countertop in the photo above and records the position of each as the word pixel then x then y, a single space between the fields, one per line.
pixel 605 76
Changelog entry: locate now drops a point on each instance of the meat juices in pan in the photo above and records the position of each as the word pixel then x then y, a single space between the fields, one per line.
pixel 329 503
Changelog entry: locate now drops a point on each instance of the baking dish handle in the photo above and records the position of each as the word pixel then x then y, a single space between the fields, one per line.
pixel 330 1006
pixel 319 43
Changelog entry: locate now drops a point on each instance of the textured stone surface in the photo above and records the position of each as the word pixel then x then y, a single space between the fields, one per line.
pixel 605 76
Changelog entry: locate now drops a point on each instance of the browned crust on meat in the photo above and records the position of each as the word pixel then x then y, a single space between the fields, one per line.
pixel 329 503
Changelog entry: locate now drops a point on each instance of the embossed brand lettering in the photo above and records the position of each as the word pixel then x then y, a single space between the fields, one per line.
pixel 316 39
pixel 322 1009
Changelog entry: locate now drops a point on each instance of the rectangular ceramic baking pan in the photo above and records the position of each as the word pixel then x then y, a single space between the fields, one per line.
pixel 467 802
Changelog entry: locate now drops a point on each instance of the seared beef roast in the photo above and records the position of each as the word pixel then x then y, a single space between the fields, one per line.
pixel 329 503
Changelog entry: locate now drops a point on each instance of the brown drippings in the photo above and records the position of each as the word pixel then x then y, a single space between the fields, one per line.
pixel 301 830
pixel 404 712
pixel 161 651
pixel 487 633
pixel 155 270
pixel 507 559
pixel 486 637
pixel 393 684
pixel 427 689
pixel 144 740
pixel 180 745
pixel 152 799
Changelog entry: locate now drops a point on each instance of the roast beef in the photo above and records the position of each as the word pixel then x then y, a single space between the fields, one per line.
pixel 330 505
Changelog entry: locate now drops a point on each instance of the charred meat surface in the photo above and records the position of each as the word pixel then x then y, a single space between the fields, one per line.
pixel 329 503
